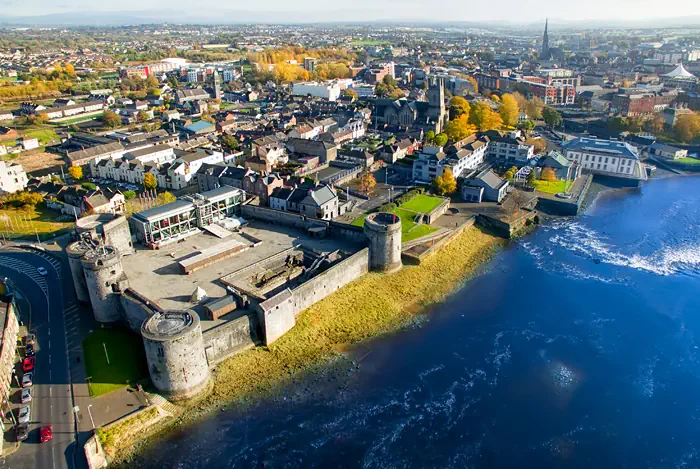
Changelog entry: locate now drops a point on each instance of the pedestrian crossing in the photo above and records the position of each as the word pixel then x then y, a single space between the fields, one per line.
pixel 27 269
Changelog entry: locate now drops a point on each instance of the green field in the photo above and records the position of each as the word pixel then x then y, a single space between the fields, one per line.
pixel 127 360
pixel 552 187
pixel 687 161
pixel 41 221
pixel 45 136
pixel 409 229
pixel 422 203
pixel 361 42
pixel 76 120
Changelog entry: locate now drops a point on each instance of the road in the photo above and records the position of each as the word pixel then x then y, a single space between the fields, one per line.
pixel 41 304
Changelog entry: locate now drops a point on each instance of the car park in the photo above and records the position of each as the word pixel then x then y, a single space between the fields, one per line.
pixel 22 432
pixel 28 364
pixel 46 433
pixel 26 395
pixel 27 379
pixel 25 414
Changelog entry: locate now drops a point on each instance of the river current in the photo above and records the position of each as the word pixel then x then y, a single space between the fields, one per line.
pixel 576 347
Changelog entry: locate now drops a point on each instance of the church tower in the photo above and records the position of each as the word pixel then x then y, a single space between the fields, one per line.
pixel 545 54
pixel 436 101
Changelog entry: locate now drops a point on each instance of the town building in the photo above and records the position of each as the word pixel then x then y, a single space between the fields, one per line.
pixel 317 202
pixel 640 104
pixel 667 151
pixel 8 347
pixel 12 178
pixel 432 161
pixel 407 114
pixel 484 186
pixel 605 157
pixel 509 148
pixel 327 90
pixel 189 95
pixel 679 78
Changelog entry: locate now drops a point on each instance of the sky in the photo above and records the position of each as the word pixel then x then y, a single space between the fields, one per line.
pixel 515 11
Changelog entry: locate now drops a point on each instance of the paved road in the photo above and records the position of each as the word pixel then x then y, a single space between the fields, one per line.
pixel 41 303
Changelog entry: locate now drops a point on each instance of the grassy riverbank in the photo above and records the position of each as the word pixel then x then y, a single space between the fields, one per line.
pixel 368 307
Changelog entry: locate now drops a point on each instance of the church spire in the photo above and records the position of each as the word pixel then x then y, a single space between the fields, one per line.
pixel 545 54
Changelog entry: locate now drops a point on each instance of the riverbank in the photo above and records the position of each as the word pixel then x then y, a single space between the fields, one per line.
pixel 371 306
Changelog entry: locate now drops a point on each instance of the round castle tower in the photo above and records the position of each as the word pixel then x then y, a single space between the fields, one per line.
pixel 384 233
pixel 174 347
pixel 75 251
pixel 104 275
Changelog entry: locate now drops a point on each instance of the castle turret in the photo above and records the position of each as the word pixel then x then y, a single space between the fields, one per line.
pixel 174 347
pixel 75 252
pixel 105 279
pixel 384 233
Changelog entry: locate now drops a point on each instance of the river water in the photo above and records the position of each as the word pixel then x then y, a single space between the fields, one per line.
pixel 575 348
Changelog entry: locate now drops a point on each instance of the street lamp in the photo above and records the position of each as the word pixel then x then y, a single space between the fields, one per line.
pixel 91 420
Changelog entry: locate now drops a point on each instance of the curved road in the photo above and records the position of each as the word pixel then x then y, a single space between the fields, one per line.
pixel 41 305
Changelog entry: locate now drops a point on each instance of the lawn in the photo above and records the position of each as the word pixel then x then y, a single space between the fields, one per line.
pixel 76 120
pixel 409 229
pixel 368 42
pixel 552 187
pixel 41 220
pixel 422 203
pixel 45 136
pixel 687 160
pixel 127 360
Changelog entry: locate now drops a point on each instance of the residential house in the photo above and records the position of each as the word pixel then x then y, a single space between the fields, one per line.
pixel 509 148
pixel 325 151
pixel 564 169
pixel 484 186
pixel 12 177
pixel 262 185
pixel 432 161
pixel 317 202
pixel 667 151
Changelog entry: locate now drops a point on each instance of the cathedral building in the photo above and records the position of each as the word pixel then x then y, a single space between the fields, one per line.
pixel 414 115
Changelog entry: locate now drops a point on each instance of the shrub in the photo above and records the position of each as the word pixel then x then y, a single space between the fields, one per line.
pixel 390 207
pixel 89 186
pixel 128 195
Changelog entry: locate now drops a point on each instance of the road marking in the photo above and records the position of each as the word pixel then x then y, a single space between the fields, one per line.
pixel 50 391
pixel 49 359
pixel 49 344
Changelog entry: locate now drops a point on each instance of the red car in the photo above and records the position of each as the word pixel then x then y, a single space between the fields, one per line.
pixel 28 364
pixel 46 433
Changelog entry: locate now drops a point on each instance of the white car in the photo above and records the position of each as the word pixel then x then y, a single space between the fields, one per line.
pixel 42 271
pixel 27 380
pixel 26 395
pixel 25 414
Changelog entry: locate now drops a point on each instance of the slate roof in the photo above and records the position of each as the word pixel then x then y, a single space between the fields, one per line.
pixel 604 147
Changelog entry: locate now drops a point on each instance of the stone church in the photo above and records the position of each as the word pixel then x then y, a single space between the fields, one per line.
pixel 414 115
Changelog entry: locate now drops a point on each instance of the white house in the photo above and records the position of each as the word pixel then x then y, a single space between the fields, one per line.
pixel 605 157
pixel 12 178
pixel 328 90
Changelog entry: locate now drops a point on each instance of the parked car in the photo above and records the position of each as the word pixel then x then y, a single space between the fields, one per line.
pixel 22 432
pixel 29 350
pixel 27 379
pixel 26 395
pixel 25 414
pixel 28 364
pixel 42 271
pixel 46 433
pixel 29 340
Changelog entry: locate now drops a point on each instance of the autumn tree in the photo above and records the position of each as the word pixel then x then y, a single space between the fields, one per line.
pixel 149 181
pixel 534 108
pixel 429 136
pixel 656 124
pixel 521 100
pixel 531 178
pixel 349 92
pixel 509 110
pixel 151 82
pixel 111 119
pixel 473 82
pixel 548 175
pixel 229 142
pixel 458 107
pixel 484 118
pixel 69 69
pixel 165 198
pixel 510 173
pixel 367 182
pixel 143 115
pixel 446 183
pixel 688 126
pixel 527 125
pixel 539 143
pixel 459 128
pixel 440 139
pixel 76 172
pixel 551 117
pixel 495 97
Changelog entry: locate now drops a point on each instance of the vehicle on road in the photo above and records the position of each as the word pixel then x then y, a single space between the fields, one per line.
pixel 25 414
pixel 29 340
pixel 22 432
pixel 29 350
pixel 27 379
pixel 46 433
pixel 28 364
pixel 26 395
pixel 42 271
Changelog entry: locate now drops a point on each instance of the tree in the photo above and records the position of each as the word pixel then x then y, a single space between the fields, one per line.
pixel 128 195
pixel 143 116
pixel 111 119
pixel 551 117
pixel 495 97
pixel 531 178
pixel 459 128
pixel 440 139
pixel 166 198
pixel 229 142
pixel 473 82
pixel 534 108
pixel 617 124
pixel 70 70
pixel 367 182
pixel 688 126
pixel 446 183
pixel 89 186
pixel 349 92
pixel 458 107
pixel 548 175
pixel 510 173
pixel 539 143
pixel 509 110
pixel 149 181
pixel 527 125
pixel 484 118
pixel 429 136
pixel 57 68
pixel 152 82
pixel 76 172
pixel 521 100
pixel 56 179
pixel 656 124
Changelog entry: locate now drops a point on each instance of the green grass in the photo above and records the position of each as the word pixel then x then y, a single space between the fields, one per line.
pixel 45 136
pixel 20 223
pixel 368 42
pixel 687 161
pixel 127 360
pixel 552 187
pixel 422 203
pixel 409 229
pixel 76 120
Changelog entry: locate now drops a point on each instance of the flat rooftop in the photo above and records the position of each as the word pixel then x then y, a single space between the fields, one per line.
pixel 156 275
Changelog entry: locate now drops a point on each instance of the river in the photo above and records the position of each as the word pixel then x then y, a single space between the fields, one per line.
pixel 574 348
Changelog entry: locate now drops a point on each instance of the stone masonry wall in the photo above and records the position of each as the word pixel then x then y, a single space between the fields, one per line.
pixel 230 338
